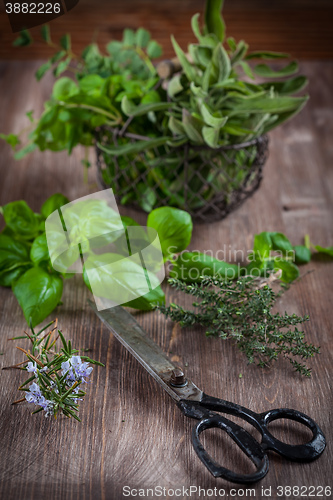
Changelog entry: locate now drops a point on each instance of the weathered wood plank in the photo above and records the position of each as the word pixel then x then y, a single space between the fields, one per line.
pixel 301 27
pixel 131 433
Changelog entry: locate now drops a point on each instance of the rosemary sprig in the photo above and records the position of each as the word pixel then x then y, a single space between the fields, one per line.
pixel 56 376
pixel 242 311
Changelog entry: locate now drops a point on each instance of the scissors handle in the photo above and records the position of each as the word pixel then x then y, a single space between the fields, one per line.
pixel 205 412
pixel 247 443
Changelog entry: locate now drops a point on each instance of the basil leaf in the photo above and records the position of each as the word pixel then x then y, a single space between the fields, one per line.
pixel 289 270
pixel 262 246
pixel 189 266
pixel 38 293
pixel 280 243
pixel 327 250
pixel 302 254
pixel 120 281
pixel 21 219
pixel 39 250
pixel 174 228
pixel 55 201
pixel 14 259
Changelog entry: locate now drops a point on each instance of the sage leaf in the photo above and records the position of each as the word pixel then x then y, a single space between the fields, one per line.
pixel 130 109
pixel 211 136
pixel 265 71
pixel 210 119
pixel 213 18
pixel 135 147
pixel 266 54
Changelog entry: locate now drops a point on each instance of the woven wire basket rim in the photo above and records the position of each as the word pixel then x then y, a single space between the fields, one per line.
pixel 211 212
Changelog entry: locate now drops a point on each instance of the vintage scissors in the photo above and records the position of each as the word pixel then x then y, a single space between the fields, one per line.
pixel 194 403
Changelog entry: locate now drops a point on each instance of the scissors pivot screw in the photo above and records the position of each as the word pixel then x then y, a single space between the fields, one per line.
pixel 177 378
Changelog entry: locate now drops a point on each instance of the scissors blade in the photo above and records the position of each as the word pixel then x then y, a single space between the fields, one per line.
pixel 126 329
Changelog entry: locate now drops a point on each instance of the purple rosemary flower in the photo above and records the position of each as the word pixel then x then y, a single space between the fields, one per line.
pixel 35 396
pixel 76 369
pixel 32 368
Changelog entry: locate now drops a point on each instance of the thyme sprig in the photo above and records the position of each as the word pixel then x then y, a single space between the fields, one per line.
pixel 242 311
pixel 56 375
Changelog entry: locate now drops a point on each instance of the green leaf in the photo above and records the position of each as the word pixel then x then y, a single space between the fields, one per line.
pixel 247 69
pixel 21 219
pixel 62 66
pixel 24 39
pixel 288 87
pixel 130 109
pixel 188 68
pixel 121 277
pixel 176 126
pixel 175 86
pixel 57 56
pixel 64 88
pixel 289 270
pixel 210 119
pixel 45 32
pixel 302 254
pixel 142 38
pixel 135 147
pixel 189 266
pixel 266 104
pixel 192 127
pixel 11 139
pixel 154 49
pixel 213 18
pixel 128 37
pixel 281 243
pixel 39 251
pixel 259 54
pixel 262 246
pixel 265 71
pixel 211 136
pixel 221 61
pixel 327 250
pixel 38 293
pixel 42 70
pixel 174 228
pixel 54 202
pixel 65 42
pixel 29 148
pixel 14 259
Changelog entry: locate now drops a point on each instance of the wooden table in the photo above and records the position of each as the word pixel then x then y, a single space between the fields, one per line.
pixel 131 432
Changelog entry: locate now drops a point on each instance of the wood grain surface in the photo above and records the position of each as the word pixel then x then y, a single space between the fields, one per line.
pixel 131 432
pixel 300 27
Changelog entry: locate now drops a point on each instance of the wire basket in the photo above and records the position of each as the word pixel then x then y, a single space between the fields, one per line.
pixel 208 183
